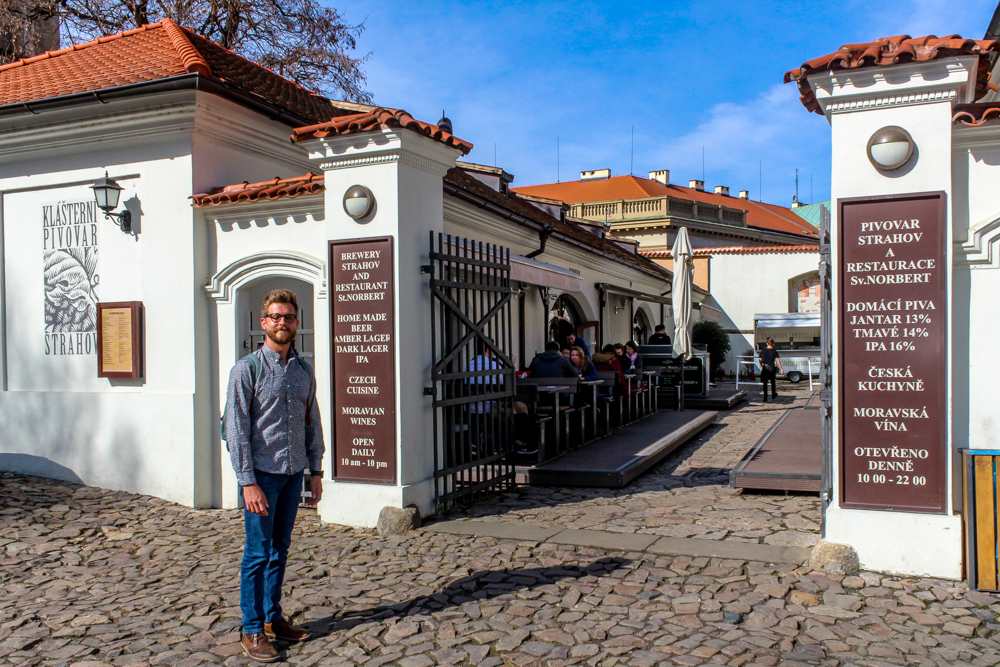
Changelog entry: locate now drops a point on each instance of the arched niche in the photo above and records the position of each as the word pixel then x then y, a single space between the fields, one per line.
pixel 804 292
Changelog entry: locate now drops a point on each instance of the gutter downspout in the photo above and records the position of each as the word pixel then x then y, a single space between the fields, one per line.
pixel 543 236
pixel 602 303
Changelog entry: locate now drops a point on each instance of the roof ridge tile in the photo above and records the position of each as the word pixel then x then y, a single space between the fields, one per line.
pixel 191 56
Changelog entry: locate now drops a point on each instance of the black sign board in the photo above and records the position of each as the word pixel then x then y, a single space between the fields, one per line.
pixel 364 377
pixel 893 352
pixel 694 376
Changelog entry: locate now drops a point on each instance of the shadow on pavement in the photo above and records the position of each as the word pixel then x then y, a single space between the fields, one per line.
pixel 481 585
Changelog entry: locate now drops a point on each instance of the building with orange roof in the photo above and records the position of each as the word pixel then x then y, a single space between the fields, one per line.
pixel 232 181
pixel 650 210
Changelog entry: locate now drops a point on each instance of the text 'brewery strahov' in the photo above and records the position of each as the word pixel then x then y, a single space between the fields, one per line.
pixel 364 443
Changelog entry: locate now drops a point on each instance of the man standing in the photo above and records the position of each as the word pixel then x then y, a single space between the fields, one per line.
pixel 573 340
pixel 659 336
pixel 274 433
pixel 770 364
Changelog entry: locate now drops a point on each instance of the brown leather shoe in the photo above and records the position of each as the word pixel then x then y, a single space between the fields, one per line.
pixel 285 631
pixel 258 647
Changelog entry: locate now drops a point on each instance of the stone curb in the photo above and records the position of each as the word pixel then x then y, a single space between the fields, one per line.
pixel 635 542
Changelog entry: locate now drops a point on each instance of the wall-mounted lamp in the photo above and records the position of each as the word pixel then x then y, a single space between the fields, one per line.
pixel 107 192
pixel 890 148
pixel 358 202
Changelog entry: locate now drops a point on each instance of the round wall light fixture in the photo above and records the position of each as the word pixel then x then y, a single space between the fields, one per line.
pixel 358 202
pixel 890 148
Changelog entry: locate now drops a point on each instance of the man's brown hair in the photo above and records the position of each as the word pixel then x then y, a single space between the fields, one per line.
pixel 279 296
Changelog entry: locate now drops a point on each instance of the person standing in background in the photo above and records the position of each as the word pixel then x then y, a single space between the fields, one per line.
pixel 770 364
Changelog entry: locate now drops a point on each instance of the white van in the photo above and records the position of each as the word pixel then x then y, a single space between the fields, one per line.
pixel 796 338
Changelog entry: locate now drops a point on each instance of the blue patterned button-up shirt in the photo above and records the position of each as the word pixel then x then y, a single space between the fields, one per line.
pixel 266 424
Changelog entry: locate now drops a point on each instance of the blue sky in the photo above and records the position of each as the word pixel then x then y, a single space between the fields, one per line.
pixel 684 74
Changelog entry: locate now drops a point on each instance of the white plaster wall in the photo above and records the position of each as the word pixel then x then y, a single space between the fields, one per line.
pixel 60 419
pixel 745 285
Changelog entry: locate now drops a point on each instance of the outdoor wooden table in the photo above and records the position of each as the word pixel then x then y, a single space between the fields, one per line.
pixel 651 399
pixel 593 384
pixel 555 390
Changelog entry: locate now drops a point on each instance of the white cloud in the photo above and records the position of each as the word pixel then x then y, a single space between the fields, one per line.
pixel 773 128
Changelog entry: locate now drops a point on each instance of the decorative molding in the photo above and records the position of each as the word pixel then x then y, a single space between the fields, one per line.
pixel 403 156
pixel 360 161
pixel 283 208
pixel 266 265
pixel 890 100
pixel 980 250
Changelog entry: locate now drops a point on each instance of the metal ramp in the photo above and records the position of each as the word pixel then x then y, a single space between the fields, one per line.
pixel 788 457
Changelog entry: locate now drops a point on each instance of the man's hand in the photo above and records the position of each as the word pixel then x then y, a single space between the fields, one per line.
pixel 254 499
pixel 316 488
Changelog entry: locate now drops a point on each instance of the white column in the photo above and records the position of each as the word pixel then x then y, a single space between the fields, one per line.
pixel 919 98
pixel 404 171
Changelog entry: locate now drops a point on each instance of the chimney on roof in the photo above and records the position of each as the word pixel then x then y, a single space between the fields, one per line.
pixel 796 204
pixel 595 175
pixel 744 194
pixel 661 176
pixel 722 190
pixel 697 185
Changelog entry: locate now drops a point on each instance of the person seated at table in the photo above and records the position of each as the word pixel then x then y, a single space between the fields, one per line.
pixel 582 364
pixel 607 360
pixel 632 354
pixel 551 364
pixel 623 360
pixel 660 336
pixel 565 352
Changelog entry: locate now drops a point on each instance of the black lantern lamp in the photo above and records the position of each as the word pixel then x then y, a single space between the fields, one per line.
pixel 890 148
pixel 107 192
pixel 358 202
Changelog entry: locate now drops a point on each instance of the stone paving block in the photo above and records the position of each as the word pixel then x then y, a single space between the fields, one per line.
pixel 732 550
pixel 503 531
pixel 603 540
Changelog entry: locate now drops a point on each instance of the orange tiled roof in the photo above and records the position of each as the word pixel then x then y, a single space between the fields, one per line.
pixel 893 51
pixel 768 217
pixel 376 119
pixel 973 115
pixel 155 51
pixel 250 192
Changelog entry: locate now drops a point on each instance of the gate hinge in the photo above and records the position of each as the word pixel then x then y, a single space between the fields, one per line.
pixel 426 268
pixel 428 391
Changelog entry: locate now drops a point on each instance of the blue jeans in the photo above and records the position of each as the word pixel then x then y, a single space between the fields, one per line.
pixel 266 549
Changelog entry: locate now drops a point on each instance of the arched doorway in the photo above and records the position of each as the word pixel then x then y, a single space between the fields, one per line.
pixel 564 318
pixel 641 328
pixel 250 337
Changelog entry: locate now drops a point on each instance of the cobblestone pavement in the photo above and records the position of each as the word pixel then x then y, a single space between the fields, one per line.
pixel 91 577
pixel 688 495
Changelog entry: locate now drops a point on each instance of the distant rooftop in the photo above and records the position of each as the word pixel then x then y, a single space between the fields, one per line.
pixel 810 212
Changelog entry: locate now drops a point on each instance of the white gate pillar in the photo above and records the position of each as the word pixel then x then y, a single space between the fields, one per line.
pixel 919 97
pixel 375 467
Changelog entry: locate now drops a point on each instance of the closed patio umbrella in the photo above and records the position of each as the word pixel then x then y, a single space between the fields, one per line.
pixel 681 297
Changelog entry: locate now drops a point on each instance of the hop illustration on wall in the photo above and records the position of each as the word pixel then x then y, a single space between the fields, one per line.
pixel 70 280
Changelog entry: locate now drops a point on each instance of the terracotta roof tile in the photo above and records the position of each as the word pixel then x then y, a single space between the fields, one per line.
pixel 155 51
pixel 250 192
pixel 974 115
pixel 893 51
pixel 513 203
pixel 767 217
pixel 379 118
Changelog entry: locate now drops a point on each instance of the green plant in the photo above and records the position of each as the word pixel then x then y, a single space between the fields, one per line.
pixel 712 335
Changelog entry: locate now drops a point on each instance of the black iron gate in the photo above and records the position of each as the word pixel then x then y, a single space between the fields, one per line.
pixel 473 370
pixel 826 360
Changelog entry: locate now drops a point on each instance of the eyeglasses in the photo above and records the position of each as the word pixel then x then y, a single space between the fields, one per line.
pixel 276 317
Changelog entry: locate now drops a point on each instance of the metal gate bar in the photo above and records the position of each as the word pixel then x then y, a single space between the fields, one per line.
pixel 472 373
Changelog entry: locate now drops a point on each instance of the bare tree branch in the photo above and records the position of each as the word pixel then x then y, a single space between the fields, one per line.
pixel 301 40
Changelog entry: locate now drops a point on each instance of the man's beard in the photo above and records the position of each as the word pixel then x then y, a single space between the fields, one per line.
pixel 281 337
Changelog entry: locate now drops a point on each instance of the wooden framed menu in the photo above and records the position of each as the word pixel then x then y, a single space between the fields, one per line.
pixel 120 339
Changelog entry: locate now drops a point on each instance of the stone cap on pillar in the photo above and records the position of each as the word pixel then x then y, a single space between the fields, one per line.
pixel 928 69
